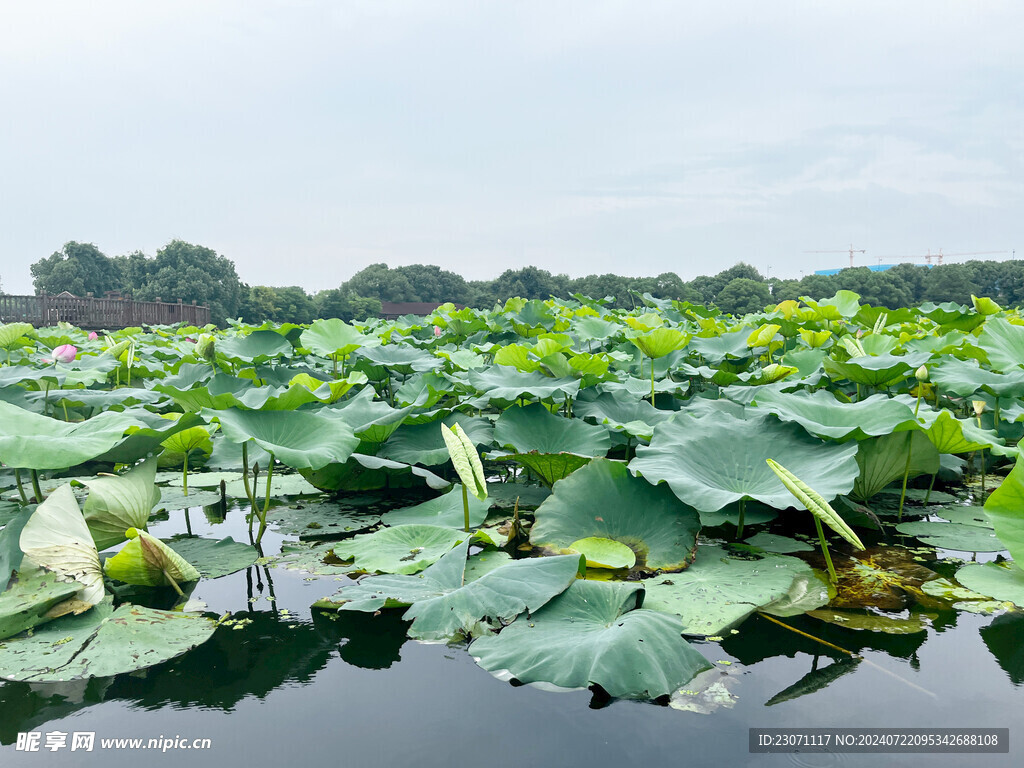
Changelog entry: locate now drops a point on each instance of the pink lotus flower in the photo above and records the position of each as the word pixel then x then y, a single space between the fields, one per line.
pixel 93 335
pixel 65 353
pixel 437 330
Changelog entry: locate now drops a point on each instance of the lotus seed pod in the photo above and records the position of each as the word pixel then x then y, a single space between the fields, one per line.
pixel 979 407
pixel 922 373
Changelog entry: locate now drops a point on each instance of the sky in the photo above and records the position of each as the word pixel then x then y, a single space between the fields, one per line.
pixel 307 139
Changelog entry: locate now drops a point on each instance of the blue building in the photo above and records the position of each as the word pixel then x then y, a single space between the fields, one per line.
pixel 872 267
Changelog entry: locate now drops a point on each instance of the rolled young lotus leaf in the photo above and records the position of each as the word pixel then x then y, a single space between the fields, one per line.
pixel 147 561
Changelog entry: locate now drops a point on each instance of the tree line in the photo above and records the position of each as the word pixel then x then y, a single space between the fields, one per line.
pixel 190 272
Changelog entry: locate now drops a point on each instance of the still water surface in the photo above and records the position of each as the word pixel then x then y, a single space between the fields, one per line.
pixel 293 687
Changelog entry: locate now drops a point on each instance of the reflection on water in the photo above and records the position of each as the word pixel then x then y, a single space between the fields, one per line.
pixel 276 682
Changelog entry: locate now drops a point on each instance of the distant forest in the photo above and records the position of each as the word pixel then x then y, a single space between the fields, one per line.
pixel 190 272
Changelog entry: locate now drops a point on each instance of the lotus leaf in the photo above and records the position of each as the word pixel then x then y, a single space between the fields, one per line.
pixel 871 622
pixel 10 544
pixel 955 536
pixel 718 592
pixel 823 416
pixel 424 444
pixel 332 338
pixel 399 357
pixel 102 642
pixel 300 439
pixel 256 346
pixel 808 591
pixel 1003 581
pixel 32 441
pixel 401 549
pixel 280 485
pixel 713 461
pixel 952 435
pixel 605 501
pixel 877 371
pixel 445 510
pixel 620 412
pixel 965 377
pixel 1003 343
pixel 56 537
pixel 146 561
pixel 28 600
pixel 116 504
pixel 1005 509
pixel 501 385
pixel 535 429
pixel 369 473
pixel 319 520
pixel 595 634
pixel 883 460
pixel 466 462
pixel 780 545
pixel 604 553
pixel 176 498
pixel 213 558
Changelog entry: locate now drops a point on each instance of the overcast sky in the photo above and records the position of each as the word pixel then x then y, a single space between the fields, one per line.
pixel 306 140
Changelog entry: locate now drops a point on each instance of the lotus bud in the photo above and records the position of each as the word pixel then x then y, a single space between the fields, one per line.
pixel 922 373
pixel 979 407
pixel 437 330
pixel 93 335
pixel 65 353
pixel 205 348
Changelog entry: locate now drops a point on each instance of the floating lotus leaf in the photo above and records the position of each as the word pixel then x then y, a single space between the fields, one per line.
pixel 1003 581
pixel 718 592
pixel 1005 509
pixel 26 602
pixel 102 642
pixel 595 634
pixel 711 462
pixel 176 498
pixel 604 553
pixel 280 485
pixel 321 519
pixel 370 473
pixel 823 416
pixel 876 371
pixel 872 622
pixel 781 545
pixel 300 439
pixel 29 440
pixel 445 606
pixel 500 384
pixel 445 510
pixel 56 537
pixel 401 549
pixel 955 536
pixel 213 558
pixel 311 557
pixel 605 501
pixel 808 591
pixel 620 412
pixel 883 460
pixel 116 504
pixel 423 443
pixel 755 514
pixel 148 562
pixel 483 562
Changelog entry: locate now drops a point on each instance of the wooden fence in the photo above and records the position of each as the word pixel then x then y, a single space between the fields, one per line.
pixel 94 314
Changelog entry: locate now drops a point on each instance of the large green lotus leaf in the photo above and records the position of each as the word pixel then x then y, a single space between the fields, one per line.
pixel 258 345
pixel 952 435
pixel 964 515
pixel 116 504
pixel 1005 509
pixel 660 341
pixel 401 549
pixel 502 384
pixel 445 510
pixel 780 545
pixel 213 558
pixel 28 600
pixel 876 371
pixel 11 334
pixel 715 349
pixel 32 441
pixel 147 435
pixel 883 460
pixel 403 358
pixel 332 338
pixel 594 633
pixel 955 536
pixel 713 461
pixel 965 377
pixel 1003 581
pixel 717 592
pixel 605 501
pixel 1003 343
pixel 620 412
pixel 10 544
pixel 535 429
pixel 300 439
pixel 423 443
pixel 371 420
pixel 321 519
pixel 823 416
pixel 146 561
pixel 370 473
pixel 56 537
pixel 102 642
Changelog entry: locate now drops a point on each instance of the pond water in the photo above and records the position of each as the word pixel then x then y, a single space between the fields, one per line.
pixel 290 686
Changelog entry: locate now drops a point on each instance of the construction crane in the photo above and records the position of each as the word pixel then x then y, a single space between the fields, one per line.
pixel 850 251
pixel 940 255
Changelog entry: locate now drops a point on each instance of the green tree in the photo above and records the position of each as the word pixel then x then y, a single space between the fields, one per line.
pixel 293 305
pixel 950 282
pixel 194 273
pixel 336 302
pixel 709 287
pixel 742 295
pixel 78 268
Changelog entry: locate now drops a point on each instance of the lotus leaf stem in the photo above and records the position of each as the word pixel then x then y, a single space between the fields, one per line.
pixel 266 502
pixel 906 474
pixel 743 512
pixel 17 480
pixel 35 487
pixel 824 550
pixel 184 472
pixel 174 584
pixel 465 506
pixel 930 486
